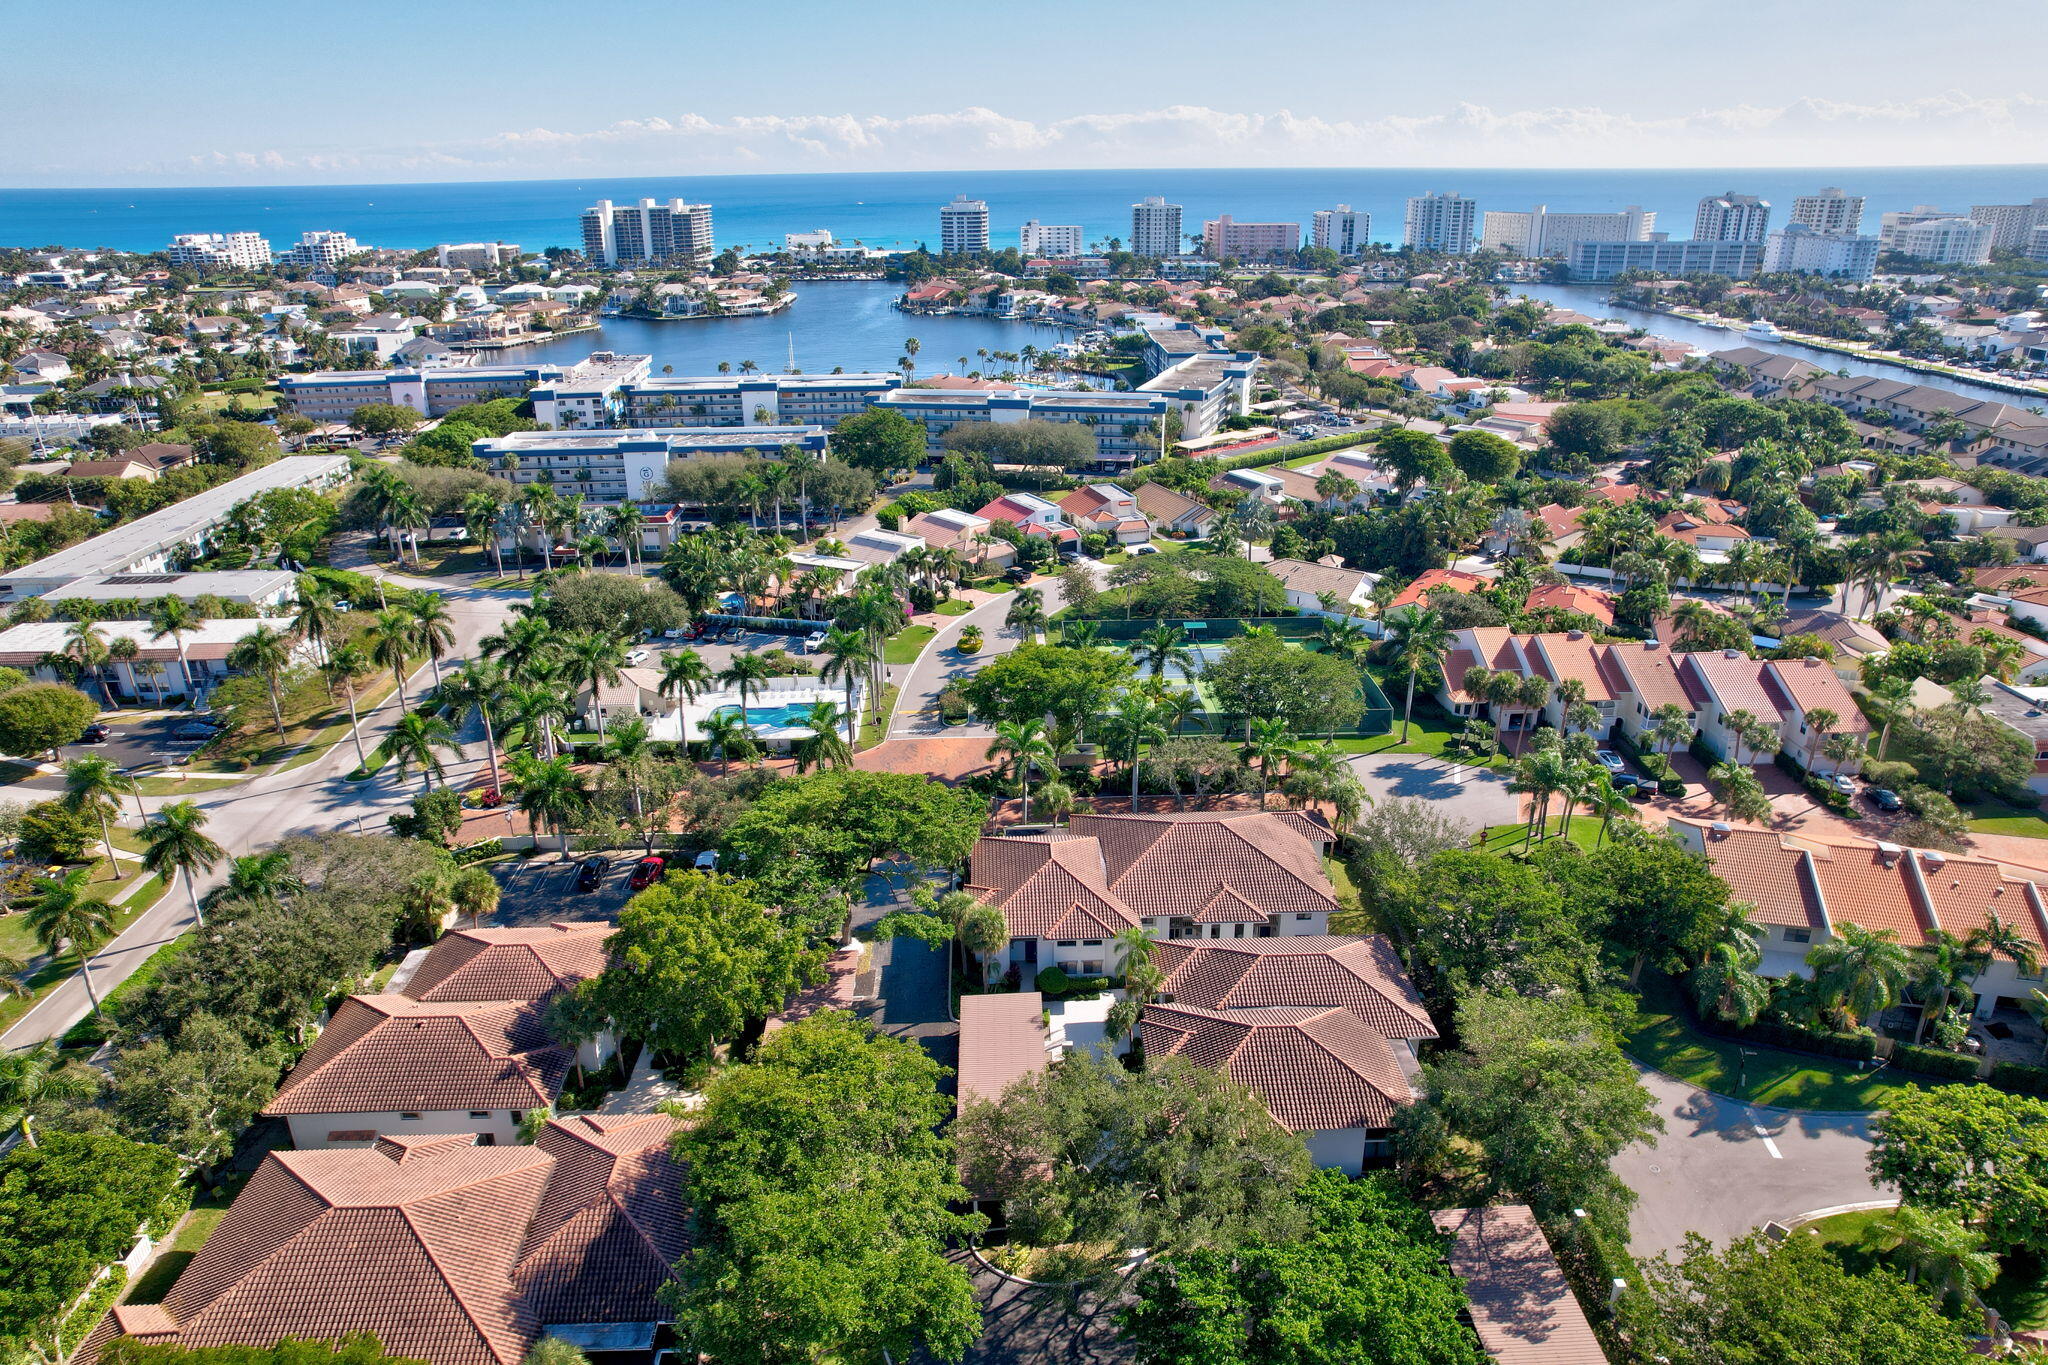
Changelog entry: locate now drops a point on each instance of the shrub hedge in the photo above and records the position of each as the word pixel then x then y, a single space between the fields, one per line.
pixel 2020 1078
pixel 1294 450
pixel 1853 1047
pixel 1930 1061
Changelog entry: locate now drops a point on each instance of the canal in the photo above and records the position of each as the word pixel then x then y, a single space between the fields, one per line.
pixel 1591 299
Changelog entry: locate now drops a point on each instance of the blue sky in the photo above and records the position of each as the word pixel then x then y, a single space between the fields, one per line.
pixel 230 92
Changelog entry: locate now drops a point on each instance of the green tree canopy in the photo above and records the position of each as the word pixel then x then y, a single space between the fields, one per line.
pixel 699 959
pixel 584 603
pixel 1034 681
pixel 1972 1151
pixel 1262 676
pixel 38 717
pixel 1476 922
pixel 1034 441
pixel 838 823
pixel 359 1349
pixel 1484 457
pixel 878 441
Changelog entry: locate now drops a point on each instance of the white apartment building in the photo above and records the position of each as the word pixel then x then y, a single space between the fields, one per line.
pixel 1225 237
pixel 613 466
pixel 2012 225
pixel 2037 244
pixel 1343 229
pixel 1441 222
pixel 217 250
pixel 322 250
pixel 1732 217
pixel 1800 250
pixel 1539 232
pixel 1605 260
pixel 647 232
pixel 963 227
pixel 1155 227
pixel 1055 240
pixel 476 255
pixel 808 243
pixel 1948 241
pixel 761 400
pixel 1890 225
pixel 1830 211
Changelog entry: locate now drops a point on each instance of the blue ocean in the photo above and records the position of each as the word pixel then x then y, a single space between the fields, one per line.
pixel 898 210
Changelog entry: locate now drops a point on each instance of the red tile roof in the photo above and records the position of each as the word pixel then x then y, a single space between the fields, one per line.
pixel 1561 656
pixel 612 1224
pixel 1737 681
pixel 1316 1069
pixel 1770 874
pixel 1167 863
pixel 1002 1038
pixel 1570 597
pixel 393 1054
pixel 1049 888
pixel 1964 893
pixel 1364 975
pixel 1522 1307
pixel 511 964
pixel 1457 580
pixel 1812 684
pixel 1651 672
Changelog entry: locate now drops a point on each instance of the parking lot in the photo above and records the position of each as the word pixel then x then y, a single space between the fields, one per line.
pixel 717 655
pixel 139 742
pixel 542 889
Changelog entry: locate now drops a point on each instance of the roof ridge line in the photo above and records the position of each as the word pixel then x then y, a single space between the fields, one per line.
pixel 448 1282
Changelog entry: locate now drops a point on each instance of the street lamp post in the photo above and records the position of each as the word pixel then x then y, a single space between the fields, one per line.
pixel 1742 1067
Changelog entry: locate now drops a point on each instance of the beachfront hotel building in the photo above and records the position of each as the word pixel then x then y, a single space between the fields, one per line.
pixel 1343 229
pixel 646 233
pixel 1441 222
pixel 1732 217
pixel 1227 239
pixel 1796 249
pixel 614 466
pixel 963 227
pixel 1830 211
pixel 321 250
pixel 1155 227
pixel 1056 241
pixel 1540 233
pixel 1605 260
pixel 220 250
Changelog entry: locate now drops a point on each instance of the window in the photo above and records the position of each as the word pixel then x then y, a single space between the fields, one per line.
pixel 1091 943
pixel 1799 935
pixel 1303 918
pixel 1068 943
pixel 479 1113
pixel 408 1116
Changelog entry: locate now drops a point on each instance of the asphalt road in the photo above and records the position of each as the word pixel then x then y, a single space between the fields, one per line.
pixel 1723 1167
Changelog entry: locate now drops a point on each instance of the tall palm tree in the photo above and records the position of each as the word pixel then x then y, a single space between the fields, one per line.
pixel 1164 645
pixel 550 792
pixel 481 518
pixel 1267 741
pixel 95 784
pixel 525 645
pixel 85 645
pixel 624 527
pixel 745 673
pixel 1606 804
pixel 1420 638
pixel 175 842
pixel 36 1074
pixel 1320 772
pixel 1725 984
pixel 475 893
pixel 1941 1251
pixel 433 628
pixel 414 742
pixel 257 878
pixel 1133 722
pixel 478 686
pixel 344 665
pixel 728 734
pixel 1860 971
pixel 826 745
pixel 125 651
pixel 268 652
pixel 1942 967
pixel 1999 937
pixel 1027 611
pixel 394 635
pixel 594 660
pixel 1022 743
pixel 1895 691
pixel 848 657
pixel 316 617
pixel 1540 774
pixel 62 916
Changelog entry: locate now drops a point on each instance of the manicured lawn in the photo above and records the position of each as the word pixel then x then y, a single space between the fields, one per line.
pixel 191 1234
pixel 954 607
pixel 17 942
pixel 1662 1038
pixel 1995 817
pixel 904 646
pixel 263 401
pixel 174 786
pixel 1340 881
pixel 441 557
pixel 2020 1293
pixel 1584 831
pixel 873 732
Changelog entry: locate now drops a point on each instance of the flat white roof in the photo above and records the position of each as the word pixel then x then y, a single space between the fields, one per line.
pixel 114 550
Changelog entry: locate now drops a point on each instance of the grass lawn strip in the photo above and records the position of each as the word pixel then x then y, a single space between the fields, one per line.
pixel 179 1249
pixel 1995 817
pixel 871 731
pixel 904 646
pixel 16 941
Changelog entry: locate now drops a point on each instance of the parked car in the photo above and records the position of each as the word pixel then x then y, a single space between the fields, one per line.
pixel 636 657
pixel 1609 760
pixel 95 733
pixel 1017 573
pixel 1885 799
pixel 1137 550
pixel 707 861
pixel 1841 783
pixel 590 874
pixel 194 729
pixel 646 871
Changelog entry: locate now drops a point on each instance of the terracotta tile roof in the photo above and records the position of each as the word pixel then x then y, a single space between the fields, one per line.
pixel 612 1223
pixel 511 964
pixel 1768 873
pixel 393 1054
pixel 1561 520
pixel 1316 1069
pixel 1002 1038
pixel 1363 975
pixel 1044 887
pixel 1570 597
pixel 417 1246
pixel 1837 629
pixel 1865 886
pixel 1457 580
pixel 1984 620
pixel 1965 892
pixel 1163 504
pixel 1651 672
pixel 1737 680
pixel 1811 684
pixel 1522 1307
pixel 1565 657
pixel 1693 529
pixel 1172 863
pixel 1303 576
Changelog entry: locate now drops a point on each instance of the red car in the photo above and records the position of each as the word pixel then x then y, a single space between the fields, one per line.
pixel 646 872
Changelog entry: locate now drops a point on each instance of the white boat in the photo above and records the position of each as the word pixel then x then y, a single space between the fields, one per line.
pixel 1763 327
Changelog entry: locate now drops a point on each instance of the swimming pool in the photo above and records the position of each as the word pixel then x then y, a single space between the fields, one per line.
pixel 789 714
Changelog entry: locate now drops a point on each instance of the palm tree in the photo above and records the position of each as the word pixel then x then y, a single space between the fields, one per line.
pixel 1941 1252
pixel 317 618
pixel 344 665
pixel 1671 727
pixel 1605 803
pixel 1725 984
pixel 174 842
pixel 413 743
pixel 393 638
pixel 36 1074
pixel 1162 647
pixel 826 745
pixel 1860 971
pixel 1740 792
pixel 533 711
pixel 744 673
pixel 62 916
pixel 481 515
pixel 268 652
pixel 684 674
pixel 1320 772
pixel 1420 637
pixel 87 647
pixel 1027 611
pixel 94 783
pixel 1023 743
pixel 728 733
pixel 624 527
pixel 525 646
pixel 432 628
pixel 1942 967
pixel 1135 721
pixel 594 661
pixel 256 878
pixel 477 686
pixel 475 893
pixel 550 792
pixel 848 656
pixel 1267 741
pixel 1541 774
pixel 1893 690
pixel 1998 937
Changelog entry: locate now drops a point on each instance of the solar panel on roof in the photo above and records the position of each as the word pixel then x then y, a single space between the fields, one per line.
pixel 136 580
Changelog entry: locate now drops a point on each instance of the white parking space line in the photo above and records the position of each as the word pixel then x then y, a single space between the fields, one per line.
pixel 1769 1145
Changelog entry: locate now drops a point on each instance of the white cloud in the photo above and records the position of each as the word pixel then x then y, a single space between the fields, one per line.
pixel 1948 127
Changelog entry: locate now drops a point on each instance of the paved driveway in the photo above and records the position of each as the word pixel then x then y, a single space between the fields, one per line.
pixel 542 889
pixel 1723 1167
pixel 1476 798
